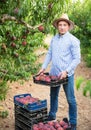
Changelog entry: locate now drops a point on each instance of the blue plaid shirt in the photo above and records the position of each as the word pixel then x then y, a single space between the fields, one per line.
pixel 64 54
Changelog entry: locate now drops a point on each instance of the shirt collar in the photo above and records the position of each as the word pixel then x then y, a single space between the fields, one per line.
pixel 62 36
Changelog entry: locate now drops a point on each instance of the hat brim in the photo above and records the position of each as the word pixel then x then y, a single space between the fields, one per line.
pixel 71 24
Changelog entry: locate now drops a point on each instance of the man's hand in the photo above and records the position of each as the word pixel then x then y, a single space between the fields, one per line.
pixel 63 75
pixel 41 71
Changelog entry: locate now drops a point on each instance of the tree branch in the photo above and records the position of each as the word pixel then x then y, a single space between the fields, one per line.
pixel 6 17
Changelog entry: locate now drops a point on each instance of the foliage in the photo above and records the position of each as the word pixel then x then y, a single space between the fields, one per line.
pixel 21 35
pixel 87 88
pixel 3 89
pixel 4 114
pixel 79 82
pixel 82 18
pixel 87 56
pixel 85 84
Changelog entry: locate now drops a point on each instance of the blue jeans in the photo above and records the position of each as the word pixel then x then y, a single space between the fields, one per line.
pixel 69 92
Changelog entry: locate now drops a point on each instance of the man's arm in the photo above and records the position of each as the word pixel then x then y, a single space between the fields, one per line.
pixel 48 57
pixel 47 60
pixel 76 55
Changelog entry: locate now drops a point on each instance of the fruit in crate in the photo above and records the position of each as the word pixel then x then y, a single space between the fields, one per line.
pixel 65 126
pixel 62 123
pixel 37 78
pixel 27 100
pixel 54 78
pixel 56 124
pixel 43 77
pixel 40 124
pixel 60 128
pixel 46 78
pixel 52 125
pixel 35 127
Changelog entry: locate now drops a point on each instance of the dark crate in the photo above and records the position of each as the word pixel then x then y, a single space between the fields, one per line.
pixel 22 126
pixel 18 128
pixel 24 123
pixel 30 122
pixel 24 119
pixel 68 128
pixel 30 106
pixel 30 114
pixel 52 83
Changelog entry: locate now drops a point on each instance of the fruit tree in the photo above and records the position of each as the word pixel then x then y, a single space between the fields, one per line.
pixel 23 25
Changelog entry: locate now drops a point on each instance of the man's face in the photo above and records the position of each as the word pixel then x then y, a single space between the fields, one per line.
pixel 63 27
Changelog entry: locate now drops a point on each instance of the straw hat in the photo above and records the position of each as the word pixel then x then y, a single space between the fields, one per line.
pixel 64 17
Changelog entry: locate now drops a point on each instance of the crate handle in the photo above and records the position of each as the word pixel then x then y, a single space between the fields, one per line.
pixel 39 115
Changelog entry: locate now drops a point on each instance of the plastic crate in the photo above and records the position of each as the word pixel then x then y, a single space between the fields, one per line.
pixel 18 128
pixel 30 106
pixel 30 122
pixel 25 123
pixel 22 126
pixel 30 114
pixel 52 83
pixel 24 119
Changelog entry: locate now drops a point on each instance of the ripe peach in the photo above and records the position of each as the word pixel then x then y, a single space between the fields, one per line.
pixel 54 77
pixel 35 127
pixel 40 123
pixel 24 37
pixel 51 123
pixel 42 77
pixel 13 44
pixel 16 10
pixel 47 78
pixel 37 78
pixel 62 123
pixel 65 127
pixel 24 43
pixel 16 55
pixel 41 28
pixel 49 5
pixel 4 46
pixel 56 124
pixel 60 128
pixel 13 38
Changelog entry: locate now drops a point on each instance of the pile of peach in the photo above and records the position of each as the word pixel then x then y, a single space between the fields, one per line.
pixel 51 125
pixel 26 100
pixel 47 78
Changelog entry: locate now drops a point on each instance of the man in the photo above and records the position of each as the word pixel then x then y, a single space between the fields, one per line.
pixel 64 53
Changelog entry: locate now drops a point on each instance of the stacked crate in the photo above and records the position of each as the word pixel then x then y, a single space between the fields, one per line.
pixel 28 114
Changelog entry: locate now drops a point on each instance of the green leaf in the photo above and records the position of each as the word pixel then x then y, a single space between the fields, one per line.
pixel 87 88
pixel 79 81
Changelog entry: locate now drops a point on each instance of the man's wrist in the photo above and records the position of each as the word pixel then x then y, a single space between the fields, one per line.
pixel 66 72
